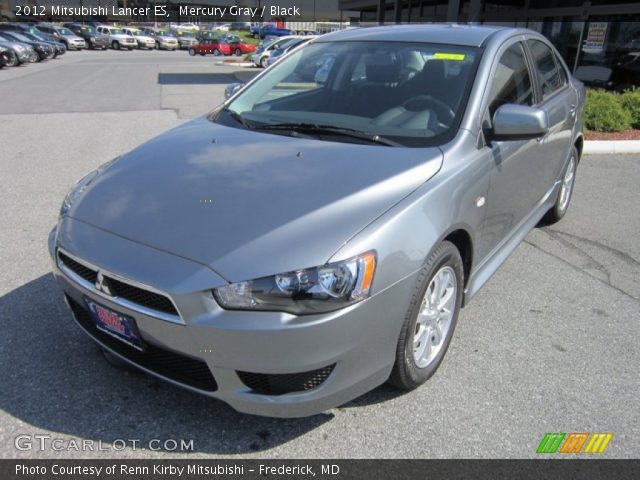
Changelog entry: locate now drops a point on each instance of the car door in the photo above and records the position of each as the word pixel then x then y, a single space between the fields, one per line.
pixel 514 164
pixel 559 100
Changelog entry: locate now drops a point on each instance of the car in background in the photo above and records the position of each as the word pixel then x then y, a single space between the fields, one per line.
pixel 18 53
pixel 269 30
pixel 287 47
pixel 165 40
pixel 70 39
pixel 238 46
pixel 185 27
pixel 625 72
pixel 186 39
pixel 213 46
pixel 58 47
pixel 94 40
pixel 4 56
pixel 117 38
pixel 144 40
pixel 259 58
pixel 240 26
pixel 43 50
pixel 32 33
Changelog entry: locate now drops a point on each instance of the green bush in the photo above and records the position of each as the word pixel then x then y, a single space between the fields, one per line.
pixel 630 101
pixel 604 112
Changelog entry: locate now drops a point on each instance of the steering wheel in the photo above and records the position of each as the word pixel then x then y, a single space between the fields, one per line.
pixel 422 102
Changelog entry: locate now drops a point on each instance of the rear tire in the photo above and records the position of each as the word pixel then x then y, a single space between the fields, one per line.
pixel 238 52
pixel 431 318
pixel 216 52
pixel 192 52
pixel 565 192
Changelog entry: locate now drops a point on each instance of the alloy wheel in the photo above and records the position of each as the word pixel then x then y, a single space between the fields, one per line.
pixel 434 319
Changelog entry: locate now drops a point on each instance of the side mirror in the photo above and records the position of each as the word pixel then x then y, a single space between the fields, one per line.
pixel 519 122
pixel 231 89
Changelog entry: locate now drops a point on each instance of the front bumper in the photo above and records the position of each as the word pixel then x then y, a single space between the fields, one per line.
pixel 146 43
pixel 248 354
pixel 77 44
pixel 98 43
pixel 169 45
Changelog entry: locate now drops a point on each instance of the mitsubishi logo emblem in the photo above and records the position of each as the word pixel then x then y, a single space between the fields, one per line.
pixel 102 285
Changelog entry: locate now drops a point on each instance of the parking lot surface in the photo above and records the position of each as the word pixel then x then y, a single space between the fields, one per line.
pixel 549 345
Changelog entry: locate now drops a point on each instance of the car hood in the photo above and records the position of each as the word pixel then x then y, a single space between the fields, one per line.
pixel 250 204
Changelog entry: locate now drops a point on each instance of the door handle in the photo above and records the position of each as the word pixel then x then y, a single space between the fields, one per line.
pixel 572 110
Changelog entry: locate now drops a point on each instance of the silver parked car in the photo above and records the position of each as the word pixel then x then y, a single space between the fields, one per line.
pixel 118 39
pixel 306 242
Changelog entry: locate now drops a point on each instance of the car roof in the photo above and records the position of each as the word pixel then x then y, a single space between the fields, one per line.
pixel 452 34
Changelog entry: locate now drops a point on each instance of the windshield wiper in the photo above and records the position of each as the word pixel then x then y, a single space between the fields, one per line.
pixel 314 128
pixel 237 117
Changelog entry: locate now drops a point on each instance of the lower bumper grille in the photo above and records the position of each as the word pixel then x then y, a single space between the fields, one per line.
pixel 281 384
pixel 175 366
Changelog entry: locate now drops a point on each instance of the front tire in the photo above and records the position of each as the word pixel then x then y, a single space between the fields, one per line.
pixel 115 45
pixel 565 193
pixel 192 52
pixel 238 52
pixel 263 62
pixel 12 60
pixel 431 318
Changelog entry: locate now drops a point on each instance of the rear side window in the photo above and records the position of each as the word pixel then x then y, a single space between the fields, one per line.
pixel 551 75
pixel 512 80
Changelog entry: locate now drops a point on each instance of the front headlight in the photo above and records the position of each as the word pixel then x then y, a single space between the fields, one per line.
pixel 81 185
pixel 303 292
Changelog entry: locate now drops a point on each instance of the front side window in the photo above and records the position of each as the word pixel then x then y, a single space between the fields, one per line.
pixel 411 93
pixel 512 81
pixel 550 74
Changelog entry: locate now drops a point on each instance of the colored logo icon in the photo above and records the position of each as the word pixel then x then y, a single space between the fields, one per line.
pixel 577 442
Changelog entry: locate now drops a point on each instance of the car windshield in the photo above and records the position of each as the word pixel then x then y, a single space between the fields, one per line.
pixel 20 37
pixel 116 31
pixel 162 33
pixel 89 30
pixel 64 31
pixel 412 94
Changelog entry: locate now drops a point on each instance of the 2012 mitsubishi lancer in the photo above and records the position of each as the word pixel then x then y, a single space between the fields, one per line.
pixel 317 234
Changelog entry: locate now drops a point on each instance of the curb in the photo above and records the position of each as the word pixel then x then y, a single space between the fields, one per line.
pixel 234 64
pixel 592 147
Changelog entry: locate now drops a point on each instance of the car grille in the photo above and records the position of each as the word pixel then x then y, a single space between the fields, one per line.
pixel 172 365
pixel 88 274
pixel 280 384
pixel 133 294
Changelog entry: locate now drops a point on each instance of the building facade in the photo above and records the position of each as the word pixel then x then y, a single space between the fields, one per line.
pixel 599 39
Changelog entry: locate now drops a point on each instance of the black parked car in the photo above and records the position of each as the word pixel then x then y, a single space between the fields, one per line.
pixel 95 40
pixel 44 50
pixel 58 48
pixel 30 28
pixel 4 57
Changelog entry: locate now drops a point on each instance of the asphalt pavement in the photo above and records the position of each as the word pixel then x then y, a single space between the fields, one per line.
pixel 550 344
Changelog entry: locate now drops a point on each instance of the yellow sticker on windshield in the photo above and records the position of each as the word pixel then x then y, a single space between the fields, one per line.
pixel 449 56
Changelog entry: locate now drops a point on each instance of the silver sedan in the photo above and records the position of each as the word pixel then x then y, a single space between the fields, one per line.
pixel 317 234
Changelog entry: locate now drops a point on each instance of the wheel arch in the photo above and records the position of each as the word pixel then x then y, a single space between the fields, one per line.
pixel 579 144
pixel 462 240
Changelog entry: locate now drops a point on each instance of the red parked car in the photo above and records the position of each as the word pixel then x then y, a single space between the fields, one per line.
pixel 237 45
pixel 210 45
